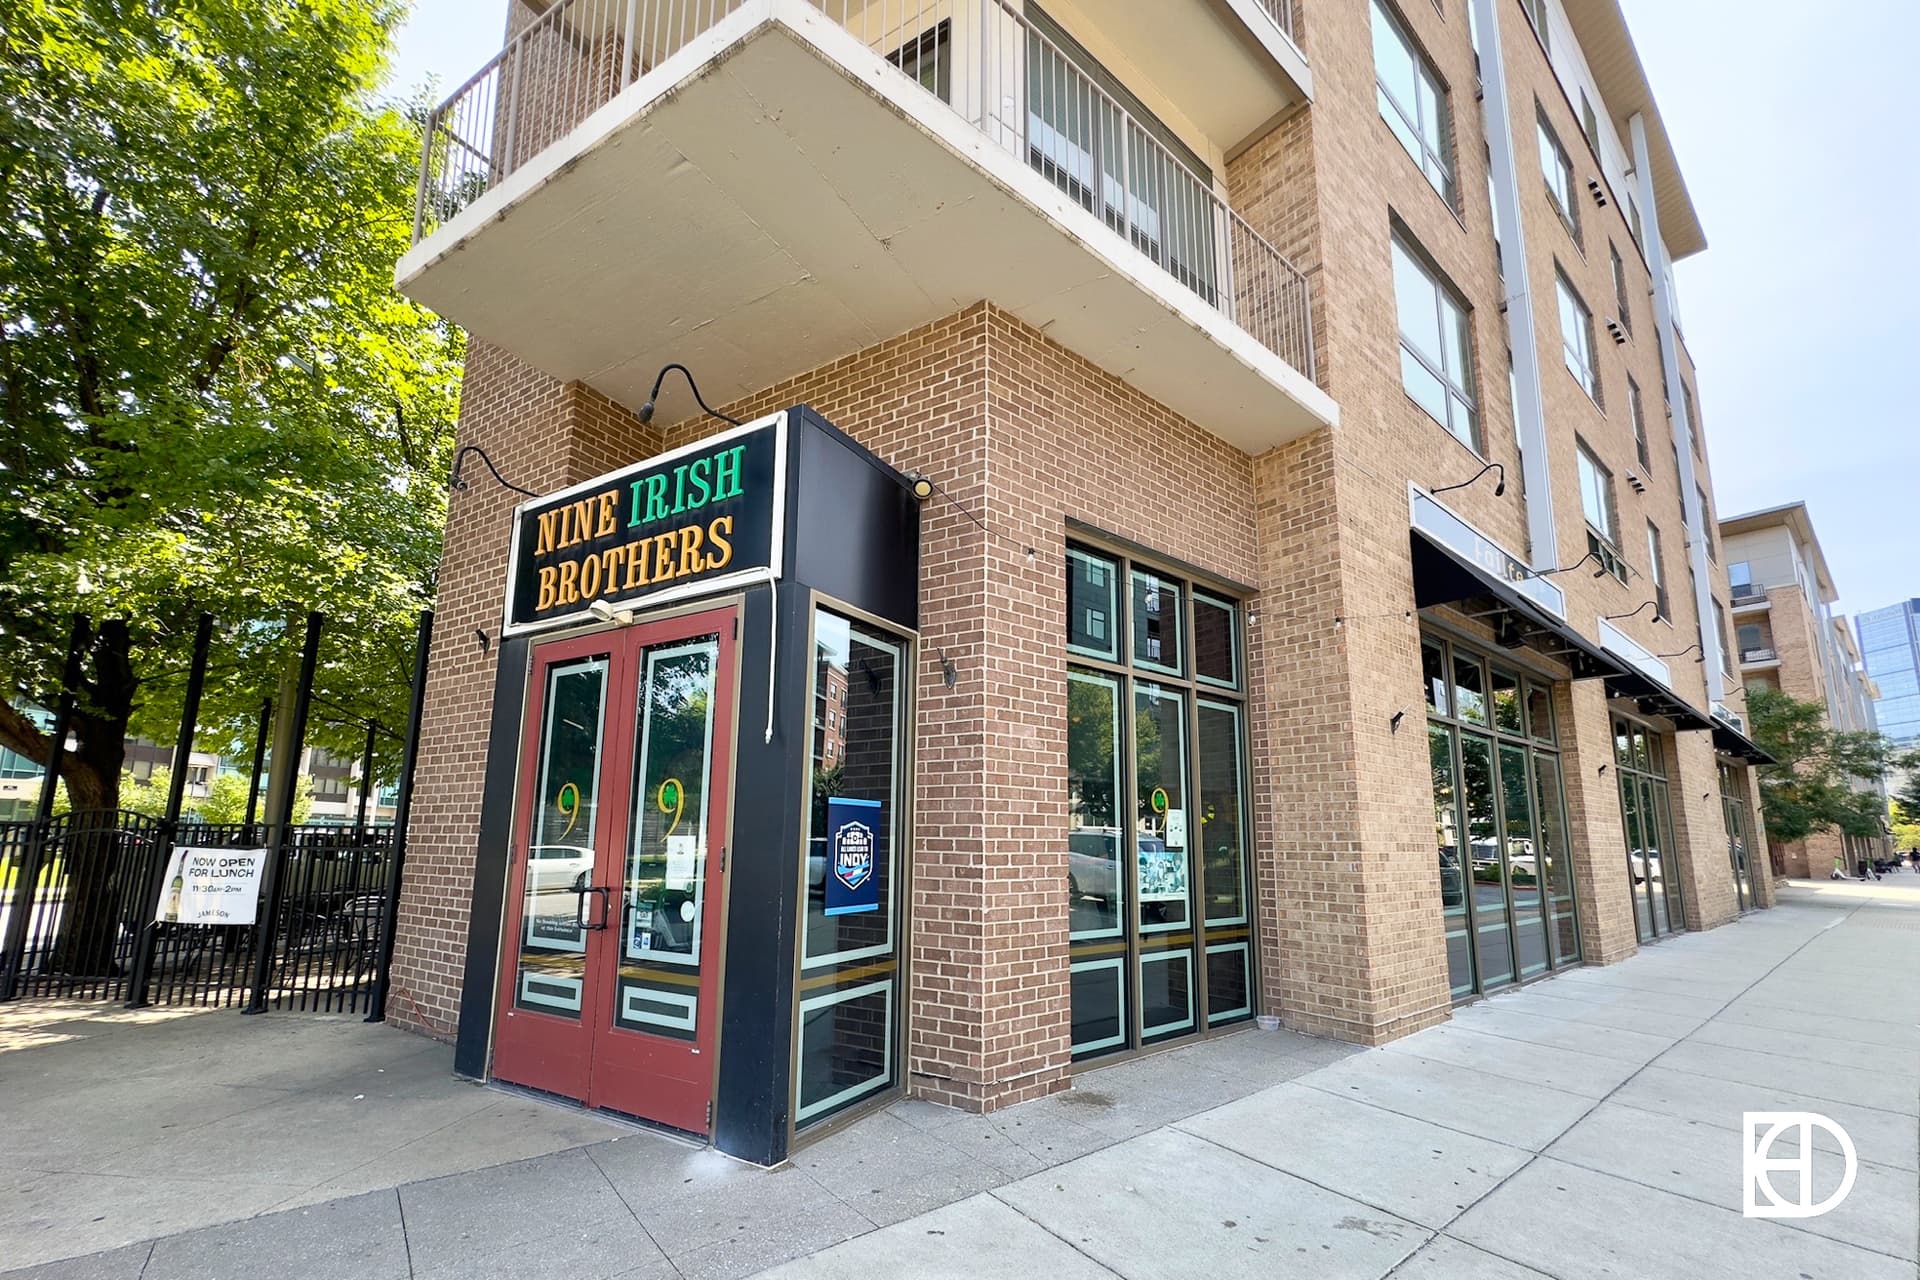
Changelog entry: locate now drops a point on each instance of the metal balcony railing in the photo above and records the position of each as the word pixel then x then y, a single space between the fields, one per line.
pixel 1748 593
pixel 1281 11
pixel 1761 654
pixel 983 59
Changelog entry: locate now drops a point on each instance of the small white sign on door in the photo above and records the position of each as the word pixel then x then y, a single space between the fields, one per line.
pixel 211 886
pixel 681 858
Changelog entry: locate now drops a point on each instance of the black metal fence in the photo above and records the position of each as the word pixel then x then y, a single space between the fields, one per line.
pixel 79 894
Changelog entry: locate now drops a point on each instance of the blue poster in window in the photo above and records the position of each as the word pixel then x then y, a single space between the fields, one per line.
pixel 854 851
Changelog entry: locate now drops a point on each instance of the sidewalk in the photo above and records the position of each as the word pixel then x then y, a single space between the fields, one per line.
pixel 1586 1126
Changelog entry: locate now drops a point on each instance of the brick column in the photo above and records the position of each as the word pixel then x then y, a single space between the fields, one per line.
pixel 1699 821
pixel 1596 833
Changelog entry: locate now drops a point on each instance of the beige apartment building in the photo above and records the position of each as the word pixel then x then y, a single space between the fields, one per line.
pixel 1232 471
pixel 1787 637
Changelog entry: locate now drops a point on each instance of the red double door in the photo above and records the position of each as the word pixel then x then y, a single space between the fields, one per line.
pixel 610 963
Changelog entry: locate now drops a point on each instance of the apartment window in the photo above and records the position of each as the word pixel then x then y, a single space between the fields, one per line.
pixel 1638 413
pixel 1720 626
pixel 1596 503
pixel 1706 525
pixel 1537 15
pixel 1693 424
pixel 1633 221
pixel 1099 144
pixel 1558 168
pixel 1662 606
pixel 1436 346
pixel 1589 122
pixel 1740 579
pixel 1412 100
pixel 1576 338
pixel 1620 287
pixel 929 59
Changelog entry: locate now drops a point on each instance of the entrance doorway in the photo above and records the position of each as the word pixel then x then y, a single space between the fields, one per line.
pixel 610 974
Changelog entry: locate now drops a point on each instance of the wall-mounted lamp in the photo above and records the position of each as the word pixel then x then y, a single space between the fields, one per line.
pixel 1594 556
pixel 484 639
pixel 1393 725
pixel 1684 652
pixel 607 613
pixel 458 483
pixel 923 487
pixel 1499 489
pixel 653 397
pixel 1603 771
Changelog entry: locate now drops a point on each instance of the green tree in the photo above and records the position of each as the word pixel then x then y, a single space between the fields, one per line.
pixel 212 397
pixel 1906 829
pixel 226 799
pixel 1825 779
pixel 1908 796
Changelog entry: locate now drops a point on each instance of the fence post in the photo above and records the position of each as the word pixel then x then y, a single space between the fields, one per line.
pixel 20 911
pixel 259 766
pixel 149 901
pixel 267 921
pixel 402 808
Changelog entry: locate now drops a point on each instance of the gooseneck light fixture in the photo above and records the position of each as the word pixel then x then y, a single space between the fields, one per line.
pixel 653 397
pixel 458 483
pixel 1620 617
pixel 1684 652
pixel 1499 489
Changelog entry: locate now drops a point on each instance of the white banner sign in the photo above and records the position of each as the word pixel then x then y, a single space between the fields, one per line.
pixel 211 886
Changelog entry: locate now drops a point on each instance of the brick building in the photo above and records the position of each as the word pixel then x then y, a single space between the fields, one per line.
pixel 1788 637
pixel 1315 604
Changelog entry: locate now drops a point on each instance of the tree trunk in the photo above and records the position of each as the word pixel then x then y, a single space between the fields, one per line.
pixel 103 867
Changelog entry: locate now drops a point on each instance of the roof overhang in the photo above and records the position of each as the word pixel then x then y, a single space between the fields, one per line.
pixel 1444 576
pixel 1798 521
pixel 1601 29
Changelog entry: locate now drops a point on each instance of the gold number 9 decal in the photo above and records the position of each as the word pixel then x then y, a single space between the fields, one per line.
pixel 672 798
pixel 569 802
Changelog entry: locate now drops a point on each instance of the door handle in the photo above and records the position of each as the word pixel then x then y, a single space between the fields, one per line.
pixel 580 915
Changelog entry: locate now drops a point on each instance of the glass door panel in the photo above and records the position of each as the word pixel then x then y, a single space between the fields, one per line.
pixel 663 888
pixel 1453 876
pixel 1162 861
pixel 1654 830
pixel 1521 843
pixel 1493 942
pixel 550 973
pixel 1222 841
pixel 1630 814
pixel 1555 864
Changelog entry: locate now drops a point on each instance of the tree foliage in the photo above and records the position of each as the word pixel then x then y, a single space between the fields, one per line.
pixel 1826 779
pixel 213 399
pixel 1906 828
pixel 225 801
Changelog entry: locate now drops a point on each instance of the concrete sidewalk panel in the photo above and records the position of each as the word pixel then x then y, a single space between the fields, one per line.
pixel 1519 1021
pixel 975 1239
pixel 887 1170
pixel 1799 1045
pixel 114 1264
pixel 1408 1167
pixel 1172 1205
pixel 1510 1111
pixel 468 1217
pixel 1704 1162
pixel 359 1238
pixel 1883 1137
pixel 1842 1084
pixel 1556 1068
pixel 1580 1225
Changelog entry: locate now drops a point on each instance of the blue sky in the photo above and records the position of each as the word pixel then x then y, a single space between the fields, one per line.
pixel 1804 312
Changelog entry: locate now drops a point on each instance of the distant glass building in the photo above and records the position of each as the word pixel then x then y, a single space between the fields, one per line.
pixel 1890 644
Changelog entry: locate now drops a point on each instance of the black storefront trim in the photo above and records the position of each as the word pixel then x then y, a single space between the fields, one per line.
pixel 1442 576
pixel 1730 741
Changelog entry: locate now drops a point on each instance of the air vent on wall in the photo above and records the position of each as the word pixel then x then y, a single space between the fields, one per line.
pixel 1639 485
pixel 1599 192
pixel 1619 333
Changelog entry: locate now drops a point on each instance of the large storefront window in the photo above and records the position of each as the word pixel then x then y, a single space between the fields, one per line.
pixel 1738 815
pixel 850 992
pixel 1158 842
pixel 1499 820
pixel 1646 808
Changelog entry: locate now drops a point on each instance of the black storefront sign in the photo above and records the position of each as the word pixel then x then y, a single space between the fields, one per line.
pixel 685 523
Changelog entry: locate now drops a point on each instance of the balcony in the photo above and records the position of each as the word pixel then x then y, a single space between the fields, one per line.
pixel 1748 595
pixel 1761 656
pixel 757 187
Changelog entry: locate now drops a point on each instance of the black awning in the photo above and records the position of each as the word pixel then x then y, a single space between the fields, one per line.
pixel 1656 699
pixel 1442 575
pixel 1730 741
